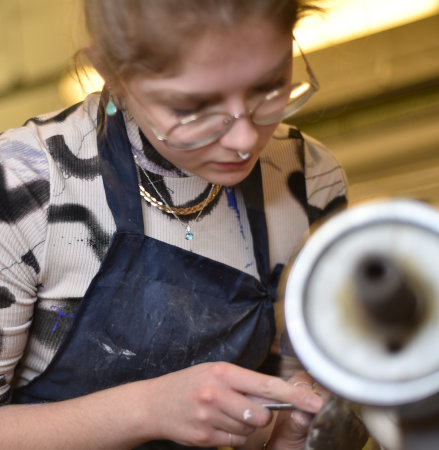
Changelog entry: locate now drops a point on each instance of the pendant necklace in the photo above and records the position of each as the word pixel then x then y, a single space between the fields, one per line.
pixel 163 206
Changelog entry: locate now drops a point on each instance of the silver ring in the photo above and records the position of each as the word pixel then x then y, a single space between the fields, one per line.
pixel 230 439
pixel 244 156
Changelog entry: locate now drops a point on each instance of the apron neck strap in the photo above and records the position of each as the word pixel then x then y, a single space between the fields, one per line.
pixel 119 172
pixel 252 190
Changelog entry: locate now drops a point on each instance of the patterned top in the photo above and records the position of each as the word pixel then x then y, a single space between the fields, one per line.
pixel 55 224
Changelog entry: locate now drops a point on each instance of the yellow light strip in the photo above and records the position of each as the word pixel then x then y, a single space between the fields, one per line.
pixel 345 20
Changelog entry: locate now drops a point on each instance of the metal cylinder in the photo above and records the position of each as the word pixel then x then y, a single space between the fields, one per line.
pixel 362 303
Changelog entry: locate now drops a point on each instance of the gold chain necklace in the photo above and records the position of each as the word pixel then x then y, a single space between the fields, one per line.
pixel 163 206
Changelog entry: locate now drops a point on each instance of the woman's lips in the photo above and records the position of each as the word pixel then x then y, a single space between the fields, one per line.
pixel 232 165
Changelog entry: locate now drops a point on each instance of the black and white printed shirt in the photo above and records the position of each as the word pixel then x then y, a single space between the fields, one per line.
pixel 56 226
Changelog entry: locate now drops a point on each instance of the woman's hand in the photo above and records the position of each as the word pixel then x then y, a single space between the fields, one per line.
pixel 214 404
pixel 291 428
pixel 207 405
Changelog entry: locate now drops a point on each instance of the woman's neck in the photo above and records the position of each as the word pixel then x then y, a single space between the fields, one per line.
pixel 146 155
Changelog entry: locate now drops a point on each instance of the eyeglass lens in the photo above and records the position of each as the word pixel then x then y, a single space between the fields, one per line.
pixel 207 128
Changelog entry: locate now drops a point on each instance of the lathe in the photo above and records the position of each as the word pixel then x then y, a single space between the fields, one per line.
pixel 362 314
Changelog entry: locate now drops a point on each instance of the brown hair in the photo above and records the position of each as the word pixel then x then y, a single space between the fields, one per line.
pixel 129 36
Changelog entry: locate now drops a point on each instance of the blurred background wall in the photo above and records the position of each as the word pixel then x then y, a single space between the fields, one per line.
pixel 378 107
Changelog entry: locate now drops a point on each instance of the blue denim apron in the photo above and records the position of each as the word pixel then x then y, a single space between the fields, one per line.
pixel 154 308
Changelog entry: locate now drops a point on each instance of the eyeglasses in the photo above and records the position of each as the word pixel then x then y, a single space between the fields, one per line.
pixel 198 130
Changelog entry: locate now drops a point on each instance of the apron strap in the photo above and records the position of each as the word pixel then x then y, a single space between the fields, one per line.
pixel 119 172
pixel 253 193
pixel 252 188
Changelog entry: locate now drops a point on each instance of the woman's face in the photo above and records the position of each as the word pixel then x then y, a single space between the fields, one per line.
pixel 221 72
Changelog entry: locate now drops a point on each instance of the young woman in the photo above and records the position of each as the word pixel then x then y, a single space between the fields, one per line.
pixel 144 231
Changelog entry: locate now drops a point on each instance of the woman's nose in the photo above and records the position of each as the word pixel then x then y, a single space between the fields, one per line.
pixel 242 136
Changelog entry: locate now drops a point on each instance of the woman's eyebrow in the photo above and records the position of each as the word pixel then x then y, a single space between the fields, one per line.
pixel 167 95
pixel 178 96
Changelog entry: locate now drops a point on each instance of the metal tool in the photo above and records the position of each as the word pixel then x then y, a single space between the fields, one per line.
pixel 279 406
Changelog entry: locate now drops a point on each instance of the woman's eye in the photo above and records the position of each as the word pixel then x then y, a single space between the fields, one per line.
pixel 184 112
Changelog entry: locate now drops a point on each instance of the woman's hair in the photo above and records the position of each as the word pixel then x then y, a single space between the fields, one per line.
pixel 131 36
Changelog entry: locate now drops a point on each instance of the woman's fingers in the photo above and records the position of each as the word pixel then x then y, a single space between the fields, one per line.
pixel 217 400
pixel 274 390
pixel 291 429
pixel 242 414
pixel 304 380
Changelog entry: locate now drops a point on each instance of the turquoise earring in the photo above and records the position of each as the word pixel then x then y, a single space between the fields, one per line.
pixel 111 108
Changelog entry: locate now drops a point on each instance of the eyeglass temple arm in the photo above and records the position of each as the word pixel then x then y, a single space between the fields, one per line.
pixel 309 71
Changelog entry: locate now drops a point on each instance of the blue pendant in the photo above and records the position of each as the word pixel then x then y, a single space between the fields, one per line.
pixel 189 235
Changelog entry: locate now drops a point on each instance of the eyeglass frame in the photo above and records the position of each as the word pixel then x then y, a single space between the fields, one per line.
pixel 231 118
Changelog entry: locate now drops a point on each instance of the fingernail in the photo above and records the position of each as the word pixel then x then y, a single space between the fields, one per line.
pixel 303 385
pixel 315 402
